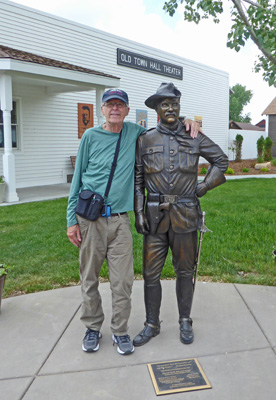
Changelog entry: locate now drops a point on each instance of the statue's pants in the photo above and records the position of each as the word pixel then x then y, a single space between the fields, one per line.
pixel 155 250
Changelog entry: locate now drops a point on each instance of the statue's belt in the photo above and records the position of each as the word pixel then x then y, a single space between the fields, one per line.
pixel 170 198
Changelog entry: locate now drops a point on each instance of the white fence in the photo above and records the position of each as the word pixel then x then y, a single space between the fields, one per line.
pixel 249 144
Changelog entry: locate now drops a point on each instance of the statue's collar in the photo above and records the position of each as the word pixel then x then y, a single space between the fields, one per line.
pixel 163 129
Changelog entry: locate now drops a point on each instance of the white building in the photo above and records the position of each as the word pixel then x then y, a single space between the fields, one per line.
pixel 52 65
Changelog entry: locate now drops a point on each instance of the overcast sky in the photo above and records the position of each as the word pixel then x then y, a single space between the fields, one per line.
pixel 145 21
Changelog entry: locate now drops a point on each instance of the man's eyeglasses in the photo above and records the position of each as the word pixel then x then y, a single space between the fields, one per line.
pixel 117 105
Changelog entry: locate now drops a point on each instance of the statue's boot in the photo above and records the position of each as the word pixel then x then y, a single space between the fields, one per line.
pixel 186 330
pixel 184 293
pixel 153 295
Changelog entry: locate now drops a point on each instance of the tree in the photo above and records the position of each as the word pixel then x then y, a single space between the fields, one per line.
pixel 239 98
pixel 255 20
pixel 238 147
pixel 268 148
pixel 260 148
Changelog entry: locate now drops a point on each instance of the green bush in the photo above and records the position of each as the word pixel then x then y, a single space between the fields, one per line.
pixel 274 161
pixel 268 149
pixel 264 169
pixel 260 147
pixel 260 160
pixel 238 145
pixel 245 170
pixel 203 171
pixel 229 171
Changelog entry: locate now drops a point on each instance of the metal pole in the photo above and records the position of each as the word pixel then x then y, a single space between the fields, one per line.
pixel 203 229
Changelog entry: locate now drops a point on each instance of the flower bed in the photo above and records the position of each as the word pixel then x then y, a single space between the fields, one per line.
pixel 238 167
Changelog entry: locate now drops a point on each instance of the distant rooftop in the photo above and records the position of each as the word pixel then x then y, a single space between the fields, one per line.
pixel 271 108
pixel 245 126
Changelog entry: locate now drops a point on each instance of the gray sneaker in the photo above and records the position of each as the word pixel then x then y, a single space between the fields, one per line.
pixel 91 341
pixel 124 344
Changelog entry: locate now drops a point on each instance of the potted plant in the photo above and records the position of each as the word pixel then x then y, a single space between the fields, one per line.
pixel 274 255
pixel 3 273
pixel 2 188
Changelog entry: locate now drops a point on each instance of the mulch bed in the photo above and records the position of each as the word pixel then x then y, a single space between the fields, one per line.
pixel 238 166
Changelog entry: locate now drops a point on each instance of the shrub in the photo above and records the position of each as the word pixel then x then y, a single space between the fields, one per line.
pixel 268 149
pixel 260 160
pixel 264 169
pixel 229 171
pixel 203 171
pixel 238 145
pixel 260 147
pixel 245 170
pixel 274 161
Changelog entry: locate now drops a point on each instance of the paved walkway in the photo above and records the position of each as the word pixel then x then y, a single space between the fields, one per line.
pixel 235 344
pixel 41 193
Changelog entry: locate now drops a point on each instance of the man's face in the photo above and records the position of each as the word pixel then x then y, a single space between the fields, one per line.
pixel 168 111
pixel 115 111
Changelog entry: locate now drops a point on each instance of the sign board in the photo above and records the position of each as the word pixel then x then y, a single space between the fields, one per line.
pixel 144 63
pixel 142 118
pixel 198 119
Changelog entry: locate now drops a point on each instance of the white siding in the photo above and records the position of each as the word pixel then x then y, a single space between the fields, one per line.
pixel 49 136
pixel 249 144
pixel 50 122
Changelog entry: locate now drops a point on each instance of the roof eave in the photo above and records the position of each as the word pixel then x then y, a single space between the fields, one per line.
pixel 61 75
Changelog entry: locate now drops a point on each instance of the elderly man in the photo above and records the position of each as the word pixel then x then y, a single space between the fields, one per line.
pixel 109 237
pixel 166 165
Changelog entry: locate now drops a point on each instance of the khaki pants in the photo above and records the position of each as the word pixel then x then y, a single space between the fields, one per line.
pixel 108 238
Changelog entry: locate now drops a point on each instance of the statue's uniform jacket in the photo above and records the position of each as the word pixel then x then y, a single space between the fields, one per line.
pixel 167 164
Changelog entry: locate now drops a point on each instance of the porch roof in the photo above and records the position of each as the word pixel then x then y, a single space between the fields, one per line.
pixel 52 73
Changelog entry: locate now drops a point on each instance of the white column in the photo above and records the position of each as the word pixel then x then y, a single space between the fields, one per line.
pixel 8 157
pixel 99 95
pixel 267 126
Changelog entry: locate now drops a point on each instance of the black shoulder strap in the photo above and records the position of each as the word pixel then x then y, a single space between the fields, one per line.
pixel 114 164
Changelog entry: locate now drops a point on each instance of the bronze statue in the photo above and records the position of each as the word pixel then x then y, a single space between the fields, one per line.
pixel 166 166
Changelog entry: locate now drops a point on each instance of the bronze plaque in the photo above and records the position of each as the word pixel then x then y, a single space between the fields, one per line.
pixel 178 376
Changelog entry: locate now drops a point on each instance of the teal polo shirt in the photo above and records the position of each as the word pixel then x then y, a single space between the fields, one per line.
pixel 93 165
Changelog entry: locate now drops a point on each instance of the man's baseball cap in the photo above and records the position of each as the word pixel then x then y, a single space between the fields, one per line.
pixel 115 94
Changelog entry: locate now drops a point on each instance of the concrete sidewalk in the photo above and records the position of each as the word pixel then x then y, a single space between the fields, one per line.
pixel 41 193
pixel 235 344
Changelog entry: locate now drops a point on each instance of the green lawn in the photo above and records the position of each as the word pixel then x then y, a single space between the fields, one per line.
pixel 241 214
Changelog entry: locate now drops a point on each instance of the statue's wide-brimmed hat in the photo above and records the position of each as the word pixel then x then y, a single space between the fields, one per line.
pixel 166 90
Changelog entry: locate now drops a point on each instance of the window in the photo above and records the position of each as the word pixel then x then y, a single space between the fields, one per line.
pixel 14 126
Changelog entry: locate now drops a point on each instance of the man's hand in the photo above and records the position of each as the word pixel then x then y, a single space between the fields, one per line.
pixel 141 224
pixel 193 127
pixel 74 235
pixel 201 189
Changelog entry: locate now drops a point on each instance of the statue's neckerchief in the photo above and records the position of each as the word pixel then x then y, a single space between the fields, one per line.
pixel 177 132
